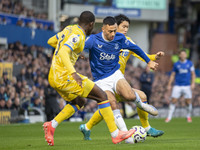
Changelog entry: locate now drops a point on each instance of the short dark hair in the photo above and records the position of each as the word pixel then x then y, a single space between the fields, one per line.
pixel 109 21
pixel 86 17
pixel 120 18
pixel 181 50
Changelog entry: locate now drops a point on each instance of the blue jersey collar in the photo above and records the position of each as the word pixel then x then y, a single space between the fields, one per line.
pixel 104 38
pixel 182 62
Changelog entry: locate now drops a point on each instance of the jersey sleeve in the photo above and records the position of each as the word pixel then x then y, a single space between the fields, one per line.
pixel 174 68
pixel 192 67
pixel 73 41
pixel 131 40
pixel 126 44
pixel 151 57
pixel 53 41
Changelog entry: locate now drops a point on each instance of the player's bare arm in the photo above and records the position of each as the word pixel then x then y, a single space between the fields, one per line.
pixel 193 80
pixel 171 79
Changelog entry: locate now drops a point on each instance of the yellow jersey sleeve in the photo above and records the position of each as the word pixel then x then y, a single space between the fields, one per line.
pixel 53 41
pixel 151 57
pixel 70 44
pixel 125 55
pixel 74 41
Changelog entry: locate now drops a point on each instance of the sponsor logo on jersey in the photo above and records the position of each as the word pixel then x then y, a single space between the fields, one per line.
pixel 183 71
pixel 100 46
pixel 105 56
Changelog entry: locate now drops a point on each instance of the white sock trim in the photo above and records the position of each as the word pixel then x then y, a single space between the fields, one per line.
pixel 138 100
pixel 86 128
pixel 119 121
pixel 116 112
pixel 147 128
pixel 171 110
pixel 54 123
pixel 115 133
pixel 189 110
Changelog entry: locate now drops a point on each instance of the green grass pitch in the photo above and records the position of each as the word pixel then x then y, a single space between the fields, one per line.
pixel 179 135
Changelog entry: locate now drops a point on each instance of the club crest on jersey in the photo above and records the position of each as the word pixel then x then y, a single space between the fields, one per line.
pixel 116 46
pixel 105 56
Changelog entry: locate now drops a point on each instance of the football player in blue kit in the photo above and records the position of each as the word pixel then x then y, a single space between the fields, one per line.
pixel 104 50
pixel 183 76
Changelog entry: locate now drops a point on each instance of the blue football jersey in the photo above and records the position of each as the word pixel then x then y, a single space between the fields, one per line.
pixel 104 55
pixel 183 72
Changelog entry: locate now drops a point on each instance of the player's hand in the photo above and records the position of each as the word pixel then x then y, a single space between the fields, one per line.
pixel 82 56
pixel 192 86
pixel 159 55
pixel 169 87
pixel 152 65
pixel 77 78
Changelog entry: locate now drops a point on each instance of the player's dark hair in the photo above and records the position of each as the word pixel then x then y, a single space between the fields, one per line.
pixel 181 50
pixel 120 18
pixel 109 21
pixel 86 17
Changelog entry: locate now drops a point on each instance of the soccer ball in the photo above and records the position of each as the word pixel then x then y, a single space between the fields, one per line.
pixel 139 135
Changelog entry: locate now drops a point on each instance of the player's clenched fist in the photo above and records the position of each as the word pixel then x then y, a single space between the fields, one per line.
pixel 152 65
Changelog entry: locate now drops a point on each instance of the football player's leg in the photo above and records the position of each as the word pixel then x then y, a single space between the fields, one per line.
pixel 69 110
pixel 116 111
pixel 189 109
pixel 66 112
pixel 141 113
pixel 176 93
pixel 86 128
pixel 144 118
pixel 119 121
pixel 172 107
pixel 107 114
pixel 124 90
pixel 188 102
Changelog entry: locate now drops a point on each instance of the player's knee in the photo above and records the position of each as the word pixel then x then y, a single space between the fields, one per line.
pixel 80 101
pixel 103 96
pixel 173 100
pixel 130 97
pixel 188 101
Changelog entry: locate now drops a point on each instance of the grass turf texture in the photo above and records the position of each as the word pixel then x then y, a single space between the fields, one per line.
pixel 178 135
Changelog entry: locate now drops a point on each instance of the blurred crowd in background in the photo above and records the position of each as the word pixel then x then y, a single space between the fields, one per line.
pixel 18 9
